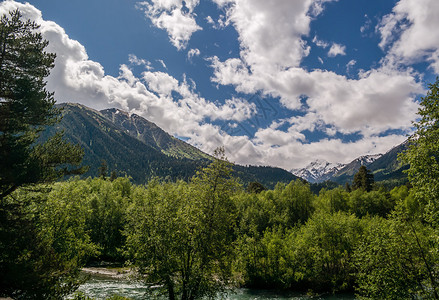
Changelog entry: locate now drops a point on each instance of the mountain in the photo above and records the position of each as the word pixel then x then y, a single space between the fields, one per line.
pixel 103 140
pixel 346 174
pixel 388 167
pixel 152 135
pixel 318 171
pixel 131 145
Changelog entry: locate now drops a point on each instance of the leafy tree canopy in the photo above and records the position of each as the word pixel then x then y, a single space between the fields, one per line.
pixel 423 152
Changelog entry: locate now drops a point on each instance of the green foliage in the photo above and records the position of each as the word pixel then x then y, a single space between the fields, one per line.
pixel 423 153
pixel 44 244
pixel 106 203
pixel 333 200
pixel 103 170
pixel 180 234
pixel 26 107
pixel 394 260
pixel 265 260
pixel 255 187
pixel 363 179
pixel 294 204
pixel 40 258
pixel 323 251
pixel 371 203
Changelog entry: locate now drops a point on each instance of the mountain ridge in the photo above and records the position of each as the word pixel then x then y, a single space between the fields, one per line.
pixel 384 167
pixel 151 134
pixel 318 171
pixel 132 152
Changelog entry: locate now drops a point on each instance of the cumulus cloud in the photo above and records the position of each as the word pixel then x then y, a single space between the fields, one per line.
pixel 159 97
pixel 294 154
pixel 267 35
pixel 175 16
pixel 336 49
pixel 272 49
pixel 410 33
pixel 379 100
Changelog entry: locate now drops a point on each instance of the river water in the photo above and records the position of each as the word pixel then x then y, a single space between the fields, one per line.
pixel 101 287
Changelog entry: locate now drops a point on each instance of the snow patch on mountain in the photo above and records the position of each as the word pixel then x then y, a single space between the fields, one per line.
pixel 321 170
pixel 368 159
pixel 318 171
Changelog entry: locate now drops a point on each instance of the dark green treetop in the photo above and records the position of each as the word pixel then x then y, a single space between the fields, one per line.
pixel 363 180
pixel 26 107
pixel 37 259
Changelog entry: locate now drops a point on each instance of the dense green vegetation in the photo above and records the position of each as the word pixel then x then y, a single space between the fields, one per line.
pixel 199 237
pixel 196 238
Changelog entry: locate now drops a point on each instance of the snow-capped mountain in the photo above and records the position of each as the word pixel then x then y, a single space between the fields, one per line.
pixel 367 159
pixel 318 171
pixel 321 170
pixel 349 170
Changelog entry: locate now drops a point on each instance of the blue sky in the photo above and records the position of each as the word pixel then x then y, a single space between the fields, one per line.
pixel 278 83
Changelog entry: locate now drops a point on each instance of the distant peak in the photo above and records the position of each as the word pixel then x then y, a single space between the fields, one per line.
pixel 368 159
pixel 115 111
pixel 318 170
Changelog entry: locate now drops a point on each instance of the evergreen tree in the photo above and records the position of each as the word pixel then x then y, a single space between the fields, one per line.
pixel 103 170
pixel 26 107
pixel 113 175
pixel 347 187
pixel 255 187
pixel 30 266
pixel 363 180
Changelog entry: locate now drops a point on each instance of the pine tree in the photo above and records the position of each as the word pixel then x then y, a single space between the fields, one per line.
pixel 363 180
pixel 30 266
pixel 26 107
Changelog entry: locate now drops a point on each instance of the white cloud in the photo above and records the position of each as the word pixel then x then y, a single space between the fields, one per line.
pixel 175 16
pixel 162 63
pixel 336 49
pixel 75 78
pixel 350 65
pixel 367 25
pixel 320 43
pixel 193 52
pixel 272 49
pixel 411 33
pixel 296 154
pixel 379 100
pixel 268 36
pixel 133 59
pixel 221 23
pixel 210 20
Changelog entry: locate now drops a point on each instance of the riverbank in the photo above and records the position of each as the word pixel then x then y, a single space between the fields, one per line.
pixel 118 273
pixel 107 282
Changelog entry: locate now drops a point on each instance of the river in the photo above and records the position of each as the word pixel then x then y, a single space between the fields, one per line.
pixel 101 287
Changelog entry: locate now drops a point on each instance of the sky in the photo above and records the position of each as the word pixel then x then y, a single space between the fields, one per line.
pixel 279 83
